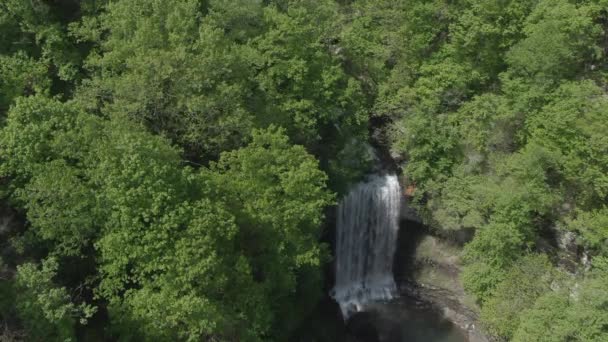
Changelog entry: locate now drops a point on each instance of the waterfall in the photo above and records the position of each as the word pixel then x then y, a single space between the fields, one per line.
pixel 367 226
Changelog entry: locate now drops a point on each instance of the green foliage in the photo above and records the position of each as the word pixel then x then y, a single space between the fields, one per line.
pixel 61 208
pixel 497 110
pixel 464 202
pixel 47 310
pixel 45 143
pixel 589 310
pixel 488 125
pixel 480 279
pixel 175 247
pixel 207 75
pixel 304 86
pixel 430 145
pixel 189 277
pixel 485 30
pixel 108 183
pixel 38 29
pixel 39 129
pixel 560 38
pixel 20 75
pixel 578 316
pixel 277 194
pixel 167 156
pixel 593 228
pixel 573 125
pixel 349 164
pixel 547 321
pixel 513 201
pixel 524 282
pixel 163 66
pixel 292 199
pixel 369 46
pixel 498 244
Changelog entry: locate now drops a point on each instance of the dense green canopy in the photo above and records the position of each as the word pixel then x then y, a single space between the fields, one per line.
pixel 172 161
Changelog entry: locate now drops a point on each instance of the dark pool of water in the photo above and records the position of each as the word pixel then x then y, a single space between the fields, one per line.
pixel 402 321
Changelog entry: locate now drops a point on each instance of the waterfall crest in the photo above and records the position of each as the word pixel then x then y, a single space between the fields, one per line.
pixel 367 227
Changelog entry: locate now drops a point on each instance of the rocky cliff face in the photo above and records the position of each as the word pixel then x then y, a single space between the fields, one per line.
pixel 427 269
pixel 435 279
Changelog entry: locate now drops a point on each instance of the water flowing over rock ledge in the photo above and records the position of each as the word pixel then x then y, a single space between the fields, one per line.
pixel 366 230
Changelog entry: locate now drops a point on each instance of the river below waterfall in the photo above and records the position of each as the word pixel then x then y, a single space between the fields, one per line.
pixel 402 320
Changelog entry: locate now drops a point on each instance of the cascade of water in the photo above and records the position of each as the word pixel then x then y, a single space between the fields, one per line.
pixel 367 227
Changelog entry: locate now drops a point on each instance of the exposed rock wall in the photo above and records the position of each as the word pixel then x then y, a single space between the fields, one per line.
pixel 427 270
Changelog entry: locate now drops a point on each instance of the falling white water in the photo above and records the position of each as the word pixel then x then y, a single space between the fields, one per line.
pixel 367 226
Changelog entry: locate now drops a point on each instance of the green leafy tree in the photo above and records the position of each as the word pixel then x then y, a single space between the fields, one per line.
pixel 190 277
pixel 484 31
pixel 589 311
pixel 592 227
pixel 160 64
pixel 520 197
pixel 45 144
pixel 302 86
pixel 217 73
pixel 277 194
pixel 39 29
pixel 47 310
pixel 38 130
pixel 560 38
pixel 21 75
pixel 572 126
pixel 547 321
pixel 169 243
pixel 529 278
pixel 61 208
pixel 150 235
pixel 576 316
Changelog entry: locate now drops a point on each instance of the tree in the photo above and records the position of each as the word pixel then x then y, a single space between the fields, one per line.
pixel 61 208
pixel 560 39
pixel 38 29
pixel 21 75
pixel 592 227
pixel 547 321
pixel 45 146
pixel 157 228
pixel 589 311
pixel 576 316
pixel 162 66
pixel 38 130
pixel 277 194
pixel 47 310
pixel 192 282
pixel 529 278
pixel 484 31
pixel 305 89
pixel 570 126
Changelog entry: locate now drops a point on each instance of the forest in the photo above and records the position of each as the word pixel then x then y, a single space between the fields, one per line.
pixel 171 163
